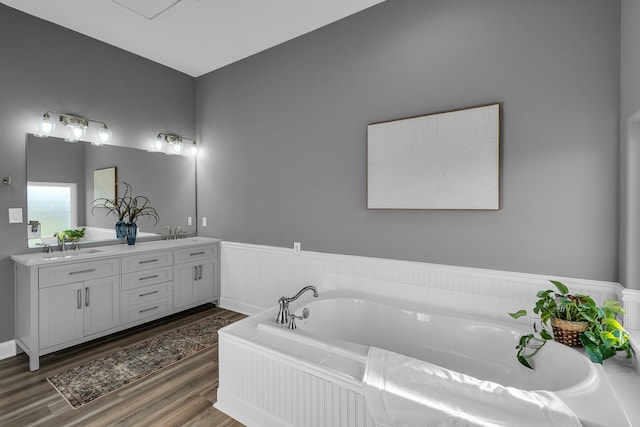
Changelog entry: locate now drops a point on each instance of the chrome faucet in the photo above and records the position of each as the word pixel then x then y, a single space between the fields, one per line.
pixel 168 230
pixel 283 312
pixel 177 232
pixel 62 240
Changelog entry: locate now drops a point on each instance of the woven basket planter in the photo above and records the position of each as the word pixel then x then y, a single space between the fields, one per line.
pixel 568 333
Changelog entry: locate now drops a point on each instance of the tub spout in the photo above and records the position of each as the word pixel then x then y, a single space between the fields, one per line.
pixel 283 311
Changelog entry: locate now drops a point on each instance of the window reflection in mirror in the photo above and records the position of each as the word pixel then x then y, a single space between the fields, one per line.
pixel 168 182
pixel 53 205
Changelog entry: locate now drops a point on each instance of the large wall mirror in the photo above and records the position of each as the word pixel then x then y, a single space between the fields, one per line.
pixel 60 177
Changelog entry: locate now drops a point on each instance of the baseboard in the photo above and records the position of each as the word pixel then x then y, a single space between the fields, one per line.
pixel 245 413
pixel 7 349
pixel 240 307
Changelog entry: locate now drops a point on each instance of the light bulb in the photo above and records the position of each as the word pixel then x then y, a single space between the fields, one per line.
pixel 194 149
pixel 159 143
pixel 177 147
pixel 46 124
pixel 77 131
pixel 104 134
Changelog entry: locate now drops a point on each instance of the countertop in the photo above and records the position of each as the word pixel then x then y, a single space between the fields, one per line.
pixel 70 255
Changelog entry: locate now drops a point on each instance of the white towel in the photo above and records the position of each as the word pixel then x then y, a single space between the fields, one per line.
pixel 401 391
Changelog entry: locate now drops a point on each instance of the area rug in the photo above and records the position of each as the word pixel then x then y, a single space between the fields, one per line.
pixel 99 377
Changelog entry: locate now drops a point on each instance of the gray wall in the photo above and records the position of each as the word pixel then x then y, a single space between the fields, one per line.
pixel 285 133
pixel 45 67
pixel 630 145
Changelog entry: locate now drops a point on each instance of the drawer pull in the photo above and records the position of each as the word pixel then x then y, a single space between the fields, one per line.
pixel 146 294
pixel 147 261
pixel 197 253
pixel 148 277
pixel 71 273
pixel 86 296
pixel 79 298
pixel 149 309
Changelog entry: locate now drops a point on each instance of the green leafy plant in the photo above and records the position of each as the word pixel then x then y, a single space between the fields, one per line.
pixel 128 206
pixel 604 335
pixel 73 235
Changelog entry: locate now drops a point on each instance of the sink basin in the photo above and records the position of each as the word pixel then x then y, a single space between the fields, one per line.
pixel 68 254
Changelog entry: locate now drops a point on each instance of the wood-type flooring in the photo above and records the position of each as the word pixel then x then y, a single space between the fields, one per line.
pixel 180 395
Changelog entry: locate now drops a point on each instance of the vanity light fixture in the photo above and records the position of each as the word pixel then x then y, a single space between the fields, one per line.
pixel 77 126
pixel 174 144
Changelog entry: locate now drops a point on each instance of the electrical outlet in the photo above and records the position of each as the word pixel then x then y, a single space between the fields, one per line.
pixel 296 248
pixel 204 221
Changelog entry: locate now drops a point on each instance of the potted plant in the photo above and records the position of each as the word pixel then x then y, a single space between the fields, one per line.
pixel 116 207
pixel 74 235
pixel 576 320
pixel 130 207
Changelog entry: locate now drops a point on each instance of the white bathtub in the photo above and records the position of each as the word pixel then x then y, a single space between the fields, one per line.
pixel 329 349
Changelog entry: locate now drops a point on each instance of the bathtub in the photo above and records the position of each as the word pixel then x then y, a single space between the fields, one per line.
pixel 312 376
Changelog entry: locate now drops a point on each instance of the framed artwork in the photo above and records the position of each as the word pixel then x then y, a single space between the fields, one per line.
pixel 445 160
pixel 104 183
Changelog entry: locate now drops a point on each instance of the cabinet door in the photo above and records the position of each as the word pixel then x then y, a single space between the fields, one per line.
pixel 60 312
pixel 185 284
pixel 101 301
pixel 207 280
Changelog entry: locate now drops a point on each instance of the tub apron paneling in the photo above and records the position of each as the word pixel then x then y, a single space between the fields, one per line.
pixel 260 389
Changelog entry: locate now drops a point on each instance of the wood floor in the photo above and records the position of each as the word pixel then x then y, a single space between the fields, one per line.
pixel 180 395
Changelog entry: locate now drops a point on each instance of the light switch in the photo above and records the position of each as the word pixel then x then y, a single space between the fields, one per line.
pixel 15 215
pixel 189 221
pixel 204 221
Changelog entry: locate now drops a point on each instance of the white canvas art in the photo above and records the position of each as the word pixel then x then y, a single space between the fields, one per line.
pixel 438 161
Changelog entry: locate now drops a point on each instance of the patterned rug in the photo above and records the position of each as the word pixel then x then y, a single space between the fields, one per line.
pixel 98 377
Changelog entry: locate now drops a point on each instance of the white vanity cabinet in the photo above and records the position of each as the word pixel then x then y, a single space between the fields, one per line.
pixel 147 287
pixel 197 276
pixel 68 298
pixel 76 301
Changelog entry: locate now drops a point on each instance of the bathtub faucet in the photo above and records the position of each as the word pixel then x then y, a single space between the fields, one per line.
pixel 283 312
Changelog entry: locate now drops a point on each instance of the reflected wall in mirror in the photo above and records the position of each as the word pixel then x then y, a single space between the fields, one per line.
pixel 60 191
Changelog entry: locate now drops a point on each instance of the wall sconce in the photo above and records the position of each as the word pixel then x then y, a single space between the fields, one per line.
pixel 77 127
pixel 169 143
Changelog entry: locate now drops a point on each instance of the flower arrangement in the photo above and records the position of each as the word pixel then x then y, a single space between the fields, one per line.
pixel 128 206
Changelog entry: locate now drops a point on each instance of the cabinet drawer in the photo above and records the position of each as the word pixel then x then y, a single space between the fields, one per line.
pixel 146 261
pixel 78 272
pixel 196 253
pixel 151 309
pixel 146 277
pixel 147 294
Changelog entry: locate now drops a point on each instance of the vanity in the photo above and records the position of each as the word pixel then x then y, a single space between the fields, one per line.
pixel 66 298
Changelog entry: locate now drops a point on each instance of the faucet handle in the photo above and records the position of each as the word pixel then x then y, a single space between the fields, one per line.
pixel 292 321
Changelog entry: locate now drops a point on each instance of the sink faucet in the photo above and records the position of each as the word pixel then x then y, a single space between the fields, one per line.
pixel 168 230
pixel 176 233
pixel 62 240
pixel 283 312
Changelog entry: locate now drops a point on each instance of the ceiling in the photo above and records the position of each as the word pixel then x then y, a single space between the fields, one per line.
pixel 192 36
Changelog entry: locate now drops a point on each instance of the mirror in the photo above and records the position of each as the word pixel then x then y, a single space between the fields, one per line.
pixel 60 178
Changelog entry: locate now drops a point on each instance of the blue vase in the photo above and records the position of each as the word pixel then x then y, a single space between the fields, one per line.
pixel 121 229
pixel 132 232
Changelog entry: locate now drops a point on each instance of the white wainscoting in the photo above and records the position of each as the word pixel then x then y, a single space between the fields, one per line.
pixel 254 277
pixel 7 349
